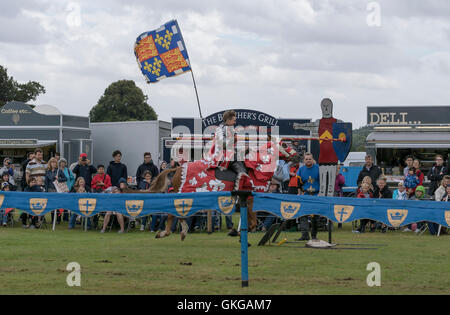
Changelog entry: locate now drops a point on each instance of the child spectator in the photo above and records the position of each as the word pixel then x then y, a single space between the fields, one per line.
pixel 101 180
pixel 37 187
pixel 419 173
pixel 294 181
pixel 367 180
pixel 114 190
pixel 6 178
pixel 364 193
pixel 400 193
pixel 147 182
pixel 411 180
pixel 79 187
pixel 145 185
pixel 8 167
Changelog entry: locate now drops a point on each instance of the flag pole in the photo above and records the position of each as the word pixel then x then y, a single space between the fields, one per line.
pixel 196 93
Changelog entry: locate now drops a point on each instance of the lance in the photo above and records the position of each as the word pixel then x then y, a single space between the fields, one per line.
pixel 255 138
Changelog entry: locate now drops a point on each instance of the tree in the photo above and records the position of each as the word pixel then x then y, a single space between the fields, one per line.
pixel 11 90
pixel 122 101
pixel 359 137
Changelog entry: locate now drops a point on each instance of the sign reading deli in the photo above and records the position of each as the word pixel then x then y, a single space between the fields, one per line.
pixel 404 115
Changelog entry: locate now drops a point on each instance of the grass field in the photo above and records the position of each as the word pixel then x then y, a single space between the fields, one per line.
pixel 34 262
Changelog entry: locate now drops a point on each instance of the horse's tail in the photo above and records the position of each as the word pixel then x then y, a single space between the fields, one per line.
pixel 162 181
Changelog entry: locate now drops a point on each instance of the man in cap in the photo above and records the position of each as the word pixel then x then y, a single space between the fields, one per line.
pixel 85 170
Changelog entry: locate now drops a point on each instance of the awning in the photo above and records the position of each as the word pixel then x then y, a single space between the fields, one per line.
pixel 26 144
pixel 393 139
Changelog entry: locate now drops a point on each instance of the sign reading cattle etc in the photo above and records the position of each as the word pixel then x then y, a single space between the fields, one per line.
pixel 413 115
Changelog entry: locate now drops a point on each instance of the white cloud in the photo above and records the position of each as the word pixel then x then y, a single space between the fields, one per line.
pixel 280 57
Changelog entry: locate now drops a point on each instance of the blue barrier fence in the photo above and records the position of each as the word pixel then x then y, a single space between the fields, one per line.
pixel 393 213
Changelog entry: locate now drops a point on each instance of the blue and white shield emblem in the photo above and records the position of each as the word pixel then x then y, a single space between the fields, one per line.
pixel 342 148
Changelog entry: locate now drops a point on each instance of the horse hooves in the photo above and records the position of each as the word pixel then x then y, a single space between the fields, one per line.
pixel 162 234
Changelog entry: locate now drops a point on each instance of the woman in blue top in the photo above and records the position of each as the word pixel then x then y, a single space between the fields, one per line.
pixel 67 172
pixel 52 174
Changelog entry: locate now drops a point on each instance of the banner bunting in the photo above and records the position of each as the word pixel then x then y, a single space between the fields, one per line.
pixel 394 213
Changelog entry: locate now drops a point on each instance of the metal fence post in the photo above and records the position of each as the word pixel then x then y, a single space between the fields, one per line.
pixel 243 195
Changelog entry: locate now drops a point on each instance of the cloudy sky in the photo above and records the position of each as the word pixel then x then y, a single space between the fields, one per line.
pixel 277 56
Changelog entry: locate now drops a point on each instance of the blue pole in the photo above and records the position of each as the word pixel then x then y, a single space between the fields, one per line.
pixel 244 247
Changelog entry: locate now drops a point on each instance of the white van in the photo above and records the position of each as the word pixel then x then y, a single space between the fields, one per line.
pixel 355 159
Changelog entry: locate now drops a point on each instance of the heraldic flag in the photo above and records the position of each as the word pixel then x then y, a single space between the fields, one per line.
pixel 162 53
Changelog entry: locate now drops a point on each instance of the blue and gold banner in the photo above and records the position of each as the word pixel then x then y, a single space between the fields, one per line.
pixel 132 205
pixel 162 53
pixel 394 213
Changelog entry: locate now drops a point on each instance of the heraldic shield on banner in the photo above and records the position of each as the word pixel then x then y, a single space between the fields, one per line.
pixel 397 216
pixel 226 204
pixel 183 206
pixel 134 207
pixel 289 209
pixel 343 213
pixel 447 217
pixel 342 148
pixel 87 206
pixel 1 200
pixel 38 205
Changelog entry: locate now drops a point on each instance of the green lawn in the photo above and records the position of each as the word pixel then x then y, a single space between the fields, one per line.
pixel 34 262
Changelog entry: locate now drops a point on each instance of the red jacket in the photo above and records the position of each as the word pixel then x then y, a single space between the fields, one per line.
pixel 361 195
pixel 293 182
pixel 105 178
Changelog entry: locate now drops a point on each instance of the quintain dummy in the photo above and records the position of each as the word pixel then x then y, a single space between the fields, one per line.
pixel 335 143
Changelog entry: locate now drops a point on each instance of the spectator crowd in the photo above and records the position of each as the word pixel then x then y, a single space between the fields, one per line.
pixel 298 176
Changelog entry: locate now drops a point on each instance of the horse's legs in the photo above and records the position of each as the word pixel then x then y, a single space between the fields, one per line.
pixel 166 232
pixel 184 229
pixel 251 216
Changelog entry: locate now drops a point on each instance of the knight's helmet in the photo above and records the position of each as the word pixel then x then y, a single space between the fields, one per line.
pixel 327 108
